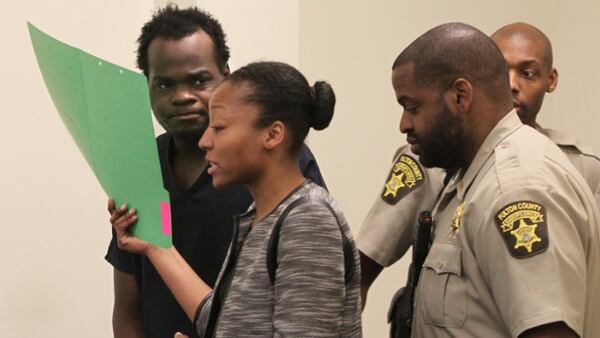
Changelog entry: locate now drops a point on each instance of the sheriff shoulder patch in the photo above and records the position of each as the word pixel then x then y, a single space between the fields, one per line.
pixel 524 228
pixel 406 176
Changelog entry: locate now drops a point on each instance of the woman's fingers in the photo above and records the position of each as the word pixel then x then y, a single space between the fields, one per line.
pixel 125 220
pixel 122 210
pixel 111 206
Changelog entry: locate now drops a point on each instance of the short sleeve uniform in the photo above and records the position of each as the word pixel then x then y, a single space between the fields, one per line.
pixel 202 219
pixel 515 244
pixel 585 160
pixel 387 231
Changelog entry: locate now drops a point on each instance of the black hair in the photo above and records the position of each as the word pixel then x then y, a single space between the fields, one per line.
pixel 173 23
pixel 283 94
pixel 456 50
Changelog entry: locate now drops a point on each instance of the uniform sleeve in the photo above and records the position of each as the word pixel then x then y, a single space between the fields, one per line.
pixel 387 231
pixel 531 248
pixel 309 167
pixel 309 291
pixel 120 259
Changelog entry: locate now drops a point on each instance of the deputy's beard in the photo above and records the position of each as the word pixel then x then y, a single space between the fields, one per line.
pixel 445 144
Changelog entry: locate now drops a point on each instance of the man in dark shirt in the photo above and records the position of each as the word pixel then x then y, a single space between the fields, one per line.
pixel 184 56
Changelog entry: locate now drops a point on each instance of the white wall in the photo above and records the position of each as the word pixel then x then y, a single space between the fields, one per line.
pixel 353 45
pixel 259 29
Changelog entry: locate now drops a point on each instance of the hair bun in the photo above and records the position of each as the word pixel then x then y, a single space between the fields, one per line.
pixel 323 102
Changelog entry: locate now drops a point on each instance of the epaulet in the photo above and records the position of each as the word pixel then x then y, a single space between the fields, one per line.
pixel 563 139
pixel 513 159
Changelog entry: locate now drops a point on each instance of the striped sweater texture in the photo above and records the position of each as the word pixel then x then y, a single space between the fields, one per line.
pixel 309 297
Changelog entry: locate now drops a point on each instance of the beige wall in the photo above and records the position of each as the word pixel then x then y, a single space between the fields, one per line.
pixel 54 280
pixel 353 44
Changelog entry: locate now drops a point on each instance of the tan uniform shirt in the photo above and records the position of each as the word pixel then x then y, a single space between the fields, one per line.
pixel 387 231
pixel 583 158
pixel 516 244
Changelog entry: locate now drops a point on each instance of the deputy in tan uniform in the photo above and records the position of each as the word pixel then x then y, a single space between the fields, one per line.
pixel 528 52
pixel 515 246
pixel 387 230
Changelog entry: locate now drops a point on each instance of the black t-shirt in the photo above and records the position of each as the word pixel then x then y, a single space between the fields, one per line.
pixel 202 229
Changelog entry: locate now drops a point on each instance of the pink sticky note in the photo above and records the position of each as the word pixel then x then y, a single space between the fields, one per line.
pixel 165 212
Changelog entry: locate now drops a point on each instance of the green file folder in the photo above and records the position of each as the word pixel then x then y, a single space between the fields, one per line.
pixel 107 112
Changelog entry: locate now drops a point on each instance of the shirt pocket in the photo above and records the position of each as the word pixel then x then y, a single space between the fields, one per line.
pixel 443 289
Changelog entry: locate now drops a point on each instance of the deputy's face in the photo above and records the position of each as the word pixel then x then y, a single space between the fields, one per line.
pixel 530 76
pixel 182 76
pixel 432 130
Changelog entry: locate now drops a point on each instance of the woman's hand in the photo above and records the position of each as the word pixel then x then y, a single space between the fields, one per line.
pixel 121 219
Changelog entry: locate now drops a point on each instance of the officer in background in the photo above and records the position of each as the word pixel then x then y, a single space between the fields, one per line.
pixel 515 239
pixel 387 230
pixel 528 52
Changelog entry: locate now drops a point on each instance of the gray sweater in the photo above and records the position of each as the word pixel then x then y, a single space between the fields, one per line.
pixel 309 297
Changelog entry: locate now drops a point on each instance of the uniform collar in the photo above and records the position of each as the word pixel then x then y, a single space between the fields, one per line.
pixel 506 126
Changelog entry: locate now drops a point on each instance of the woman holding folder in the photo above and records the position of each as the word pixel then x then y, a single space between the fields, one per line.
pixel 292 268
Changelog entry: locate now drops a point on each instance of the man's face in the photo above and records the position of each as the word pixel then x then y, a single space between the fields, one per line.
pixel 182 75
pixel 433 131
pixel 530 76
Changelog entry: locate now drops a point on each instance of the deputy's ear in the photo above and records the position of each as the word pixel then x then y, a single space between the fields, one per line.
pixel 226 70
pixel 461 94
pixel 552 80
pixel 275 134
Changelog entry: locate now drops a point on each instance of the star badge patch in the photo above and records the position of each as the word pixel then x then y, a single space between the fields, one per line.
pixel 406 176
pixel 523 227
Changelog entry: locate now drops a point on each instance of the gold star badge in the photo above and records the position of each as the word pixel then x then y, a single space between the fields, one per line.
pixel 524 228
pixel 406 176
pixel 457 215
pixel 394 184
pixel 525 235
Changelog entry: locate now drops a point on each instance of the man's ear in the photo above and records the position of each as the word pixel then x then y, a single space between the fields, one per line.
pixel 552 80
pixel 275 135
pixel 461 94
pixel 226 70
